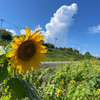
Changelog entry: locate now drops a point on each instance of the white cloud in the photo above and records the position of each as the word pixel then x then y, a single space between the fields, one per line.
pixel 84 52
pixel 22 31
pixel 94 29
pixel 96 55
pixel 12 31
pixel 59 24
pixel 38 27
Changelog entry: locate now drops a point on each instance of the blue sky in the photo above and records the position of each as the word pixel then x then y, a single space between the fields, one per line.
pixel 75 23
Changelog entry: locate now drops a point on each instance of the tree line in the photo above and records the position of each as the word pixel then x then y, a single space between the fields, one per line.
pixel 49 45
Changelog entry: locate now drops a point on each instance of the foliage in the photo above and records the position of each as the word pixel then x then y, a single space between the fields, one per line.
pixel 55 55
pixel 49 45
pixel 60 48
pixel 68 49
pixel 75 81
pixel 3 43
pixel 76 51
pixel 81 80
pixel 87 53
pixel 6 34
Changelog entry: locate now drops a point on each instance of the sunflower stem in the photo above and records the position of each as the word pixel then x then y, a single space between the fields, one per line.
pixel 14 72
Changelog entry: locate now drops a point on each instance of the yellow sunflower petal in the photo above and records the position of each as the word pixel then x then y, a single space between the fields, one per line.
pixel 39 43
pixel 34 34
pixel 40 55
pixel 13 66
pixel 40 38
pixel 13 53
pixel 35 61
pixel 39 58
pixel 26 66
pixel 41 47
pixel 12 60
pixel 21 39
pixel 42 50
pixel 34 66
pixel 14 45
pixel 18 61
pixel 28 33
pixel 36 37
pixel 17 40
pixel 19 67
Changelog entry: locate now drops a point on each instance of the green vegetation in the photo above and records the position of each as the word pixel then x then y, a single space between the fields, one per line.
pixel 55 55
pixel 6 34
pixel 3 43
pixel 79 81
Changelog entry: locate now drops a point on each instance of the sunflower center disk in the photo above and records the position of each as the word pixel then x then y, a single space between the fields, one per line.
pixel 26 50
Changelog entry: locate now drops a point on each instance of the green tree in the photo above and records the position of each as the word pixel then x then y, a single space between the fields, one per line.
pixel 87 53
pixel 76 51
pixel 56 48
pixel 49 45
pixel 6 34
pixel 60 48
pixel 68 49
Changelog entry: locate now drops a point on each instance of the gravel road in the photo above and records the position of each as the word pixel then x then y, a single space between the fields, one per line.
pixel 53 63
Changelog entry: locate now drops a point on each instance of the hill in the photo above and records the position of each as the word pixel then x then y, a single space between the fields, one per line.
pixel 55 55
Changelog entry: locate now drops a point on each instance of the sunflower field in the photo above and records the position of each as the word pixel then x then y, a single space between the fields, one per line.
pixel 70 81
pixel 20 78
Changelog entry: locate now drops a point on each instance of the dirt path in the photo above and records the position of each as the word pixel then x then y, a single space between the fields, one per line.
pixel 53 63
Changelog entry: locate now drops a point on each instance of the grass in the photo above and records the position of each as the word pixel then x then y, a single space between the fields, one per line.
pixel 54 55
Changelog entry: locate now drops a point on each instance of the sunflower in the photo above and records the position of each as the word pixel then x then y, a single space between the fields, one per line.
pixel 27 52
pixel 59 92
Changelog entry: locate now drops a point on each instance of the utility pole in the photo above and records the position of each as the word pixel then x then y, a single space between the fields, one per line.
pixel 55 42
pixel 1 26
pixel 81 49
pixel 76 47
pixel 1 23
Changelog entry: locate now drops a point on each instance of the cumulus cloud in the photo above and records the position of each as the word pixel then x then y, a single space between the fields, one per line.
pixel 94 29
pixel 96 55
pixel 59 24
pixel 22 31
pixel 84 52
pixel 12 31
pixel 38 27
